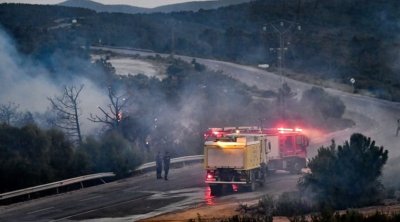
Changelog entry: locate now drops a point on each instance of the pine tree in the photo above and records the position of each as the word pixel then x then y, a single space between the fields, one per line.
pixel 348 175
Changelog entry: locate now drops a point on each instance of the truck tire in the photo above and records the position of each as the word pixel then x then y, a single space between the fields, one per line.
pixel 263 179
pixel 296 165
pixel 252 186
pixel 263 175
pixel 216 189
pixel 228 188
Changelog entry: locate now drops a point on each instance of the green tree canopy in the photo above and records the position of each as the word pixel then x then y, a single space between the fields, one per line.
pixel 112 153
pixel 348 175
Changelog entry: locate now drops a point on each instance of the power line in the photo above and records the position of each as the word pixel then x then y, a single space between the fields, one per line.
pixel 282 27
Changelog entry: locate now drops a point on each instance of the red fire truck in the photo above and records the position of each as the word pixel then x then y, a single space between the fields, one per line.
pixel 287 146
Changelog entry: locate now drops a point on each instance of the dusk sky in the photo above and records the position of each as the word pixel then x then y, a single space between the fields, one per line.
pixel 139 3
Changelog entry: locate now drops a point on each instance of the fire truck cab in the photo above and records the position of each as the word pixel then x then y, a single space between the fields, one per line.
pixel 288 149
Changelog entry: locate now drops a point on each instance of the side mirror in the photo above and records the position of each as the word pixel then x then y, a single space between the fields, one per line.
pixel 307 141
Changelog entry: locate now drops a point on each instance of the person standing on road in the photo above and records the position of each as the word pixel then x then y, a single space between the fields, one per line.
pixel 159 161
pixel 167 160
pixel 398 127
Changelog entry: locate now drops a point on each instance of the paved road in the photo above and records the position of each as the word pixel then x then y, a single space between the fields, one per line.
pixel 141 197
pixel 373 117
pixel 131 196
pixel 136 198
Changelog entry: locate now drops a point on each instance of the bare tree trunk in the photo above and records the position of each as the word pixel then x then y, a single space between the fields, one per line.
pixel 114 116
pixel 67 109
pixel 77 124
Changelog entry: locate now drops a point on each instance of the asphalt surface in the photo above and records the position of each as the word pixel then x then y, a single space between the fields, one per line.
pixel 132 196
pixel 137 198
pixel 143 196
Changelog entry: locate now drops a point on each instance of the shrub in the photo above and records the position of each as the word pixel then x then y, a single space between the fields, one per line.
pixel 346 176
pixel 323 104
pixel 292 204
pixel 112 153
pixel 36 155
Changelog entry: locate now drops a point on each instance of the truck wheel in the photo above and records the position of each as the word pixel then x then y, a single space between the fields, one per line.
pixel 263 179
pixel 296 169
pixel 216 189
pixel 252 187
pixel 297 165
pixel 228 188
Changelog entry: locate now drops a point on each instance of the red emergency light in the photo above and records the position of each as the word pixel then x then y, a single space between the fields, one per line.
pixel 287 130
pixel 282 130
pixel 218 134
pixel 213 133
pixel 210 176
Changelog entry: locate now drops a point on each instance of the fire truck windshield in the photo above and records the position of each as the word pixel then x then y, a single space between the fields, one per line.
pixel 288 141
pixel 227 139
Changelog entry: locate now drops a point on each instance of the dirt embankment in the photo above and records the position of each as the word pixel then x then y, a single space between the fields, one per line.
pixel 208 213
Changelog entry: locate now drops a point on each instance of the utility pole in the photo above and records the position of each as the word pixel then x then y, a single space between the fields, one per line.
pixel 174 26
pixel 282 27
pixel 172 42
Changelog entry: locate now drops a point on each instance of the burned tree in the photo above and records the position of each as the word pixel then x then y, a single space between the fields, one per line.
pixel 67 111
pixel 112 115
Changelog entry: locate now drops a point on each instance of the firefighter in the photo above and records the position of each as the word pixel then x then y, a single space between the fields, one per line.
pixel 167 160
pixel 398 127
pixel 159 161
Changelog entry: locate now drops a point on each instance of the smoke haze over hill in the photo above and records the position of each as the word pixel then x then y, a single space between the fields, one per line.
pixel 28 84
pixel 138 3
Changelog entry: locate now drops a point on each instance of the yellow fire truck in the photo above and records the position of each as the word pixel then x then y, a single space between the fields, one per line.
pixel 236 159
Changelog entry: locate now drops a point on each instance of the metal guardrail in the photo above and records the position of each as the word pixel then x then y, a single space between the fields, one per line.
pixel 102 47
pixel 174 160
pixel 66 182
pixel 54 185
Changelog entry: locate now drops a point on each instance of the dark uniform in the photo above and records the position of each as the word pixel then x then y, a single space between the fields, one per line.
pixel 167 160
pixel 159 161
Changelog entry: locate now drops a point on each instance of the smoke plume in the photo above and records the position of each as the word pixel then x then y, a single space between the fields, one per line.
pixel 29 85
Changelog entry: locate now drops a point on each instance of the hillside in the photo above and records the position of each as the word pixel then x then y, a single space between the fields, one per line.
pixel 337 40
pixel 98 7
pixel 189 6
pixel 195 6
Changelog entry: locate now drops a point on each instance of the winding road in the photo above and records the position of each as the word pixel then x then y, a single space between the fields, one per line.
pixel 143 196
pixel 137 198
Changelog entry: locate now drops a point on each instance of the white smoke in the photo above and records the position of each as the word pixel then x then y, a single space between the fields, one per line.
pixel 17 85
pixel 28 85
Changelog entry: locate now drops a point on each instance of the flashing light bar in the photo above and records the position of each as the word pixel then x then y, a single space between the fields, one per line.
pixel 283 130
